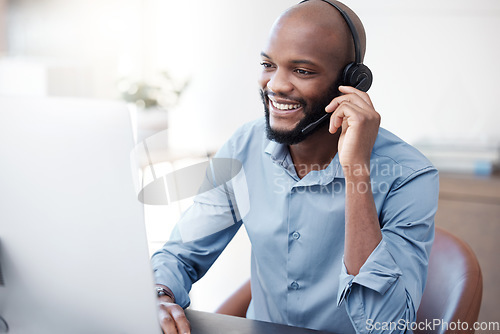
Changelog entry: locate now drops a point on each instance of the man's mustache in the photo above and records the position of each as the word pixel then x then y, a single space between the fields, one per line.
pixel 265 94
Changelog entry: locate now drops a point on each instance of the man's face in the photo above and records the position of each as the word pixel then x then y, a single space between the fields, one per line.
pixel 301 66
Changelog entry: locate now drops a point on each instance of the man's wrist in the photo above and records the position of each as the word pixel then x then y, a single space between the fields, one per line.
pixel 356 171
pixel 358 179
pixel 164 292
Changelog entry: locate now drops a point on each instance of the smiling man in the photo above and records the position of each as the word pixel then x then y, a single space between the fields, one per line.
pixel 341 216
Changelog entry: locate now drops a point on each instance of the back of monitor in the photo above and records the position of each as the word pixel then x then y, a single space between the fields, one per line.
pixel 73 246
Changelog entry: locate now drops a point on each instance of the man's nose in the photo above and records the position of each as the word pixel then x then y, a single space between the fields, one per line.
pixel 280 82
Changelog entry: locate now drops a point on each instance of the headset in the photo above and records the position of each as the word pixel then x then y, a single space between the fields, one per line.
pixel 355 74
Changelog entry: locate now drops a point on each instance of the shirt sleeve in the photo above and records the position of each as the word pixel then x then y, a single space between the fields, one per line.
pixel 385 295
pixel 201 234
pixel 179 264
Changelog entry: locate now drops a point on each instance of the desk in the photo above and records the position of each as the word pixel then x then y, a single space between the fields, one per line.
pixel 211 323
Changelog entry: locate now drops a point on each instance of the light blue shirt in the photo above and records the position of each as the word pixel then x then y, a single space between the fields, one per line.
pixel 296 228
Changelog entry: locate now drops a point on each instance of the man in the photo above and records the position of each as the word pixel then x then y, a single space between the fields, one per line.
pixel 341 219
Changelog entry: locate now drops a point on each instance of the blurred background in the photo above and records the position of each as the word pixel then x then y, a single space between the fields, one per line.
pixel 192 66
pixel 434 63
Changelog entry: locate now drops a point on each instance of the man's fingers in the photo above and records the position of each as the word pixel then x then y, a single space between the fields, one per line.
pixel 340 115
pixel 181 321
pixel 167 323
pixel 352 95
pixel 173 319
pixel 351 90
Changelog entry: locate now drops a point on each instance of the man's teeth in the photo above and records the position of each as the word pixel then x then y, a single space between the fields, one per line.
pixel 284 106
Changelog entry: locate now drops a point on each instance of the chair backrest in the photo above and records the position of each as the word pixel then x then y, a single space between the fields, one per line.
pixel 453 291
pixel 454 286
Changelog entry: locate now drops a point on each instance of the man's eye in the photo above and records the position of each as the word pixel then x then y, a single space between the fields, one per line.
pixel 266 65
pixel 303 72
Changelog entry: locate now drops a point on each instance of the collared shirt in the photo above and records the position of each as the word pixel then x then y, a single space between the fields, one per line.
pixel 297 230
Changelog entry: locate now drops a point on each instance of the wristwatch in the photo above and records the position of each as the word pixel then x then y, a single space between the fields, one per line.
pixel 161 291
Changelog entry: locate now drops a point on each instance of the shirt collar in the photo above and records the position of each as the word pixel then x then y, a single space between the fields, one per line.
pixel 280 155
pixel 276 151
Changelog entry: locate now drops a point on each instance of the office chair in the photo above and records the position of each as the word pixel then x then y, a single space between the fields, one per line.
pixel 453 291
pixel 454 284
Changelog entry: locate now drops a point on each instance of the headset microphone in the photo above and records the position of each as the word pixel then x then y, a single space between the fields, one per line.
pixel 314 124
pixel 355 74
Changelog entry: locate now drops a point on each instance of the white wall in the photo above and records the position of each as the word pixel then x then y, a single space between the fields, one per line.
pixel 434 62
pixel 435 66
pixel 79 43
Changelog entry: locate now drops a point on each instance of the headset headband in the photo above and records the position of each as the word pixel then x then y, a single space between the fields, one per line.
pixel 354 32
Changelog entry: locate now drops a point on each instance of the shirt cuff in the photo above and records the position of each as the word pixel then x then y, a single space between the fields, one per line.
pixel 378 273
pixel 170 281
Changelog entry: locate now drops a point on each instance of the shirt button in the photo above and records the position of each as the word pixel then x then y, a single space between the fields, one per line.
pixel 296 235
pixel 295 285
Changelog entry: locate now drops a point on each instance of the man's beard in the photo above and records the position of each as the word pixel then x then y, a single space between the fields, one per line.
pixel 312 113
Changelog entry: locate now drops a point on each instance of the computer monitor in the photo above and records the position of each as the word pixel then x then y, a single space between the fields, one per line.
pixel 74 255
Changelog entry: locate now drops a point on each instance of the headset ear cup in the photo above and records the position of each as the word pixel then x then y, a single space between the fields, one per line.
pixel 358 76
